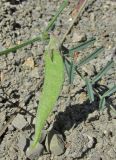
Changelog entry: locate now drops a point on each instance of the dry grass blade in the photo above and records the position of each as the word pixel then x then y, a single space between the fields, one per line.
pixel 82 4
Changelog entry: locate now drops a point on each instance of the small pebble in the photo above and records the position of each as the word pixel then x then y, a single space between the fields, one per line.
pixel 19 122
pixel 29 62
pixel 79 37
pixel 112 153
pixel 35 153
pixel 93 116
pixel 35 73
pixel 22 142
pixel 54 143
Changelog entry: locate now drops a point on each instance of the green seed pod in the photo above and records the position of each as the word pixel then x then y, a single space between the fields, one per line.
pixel 53 81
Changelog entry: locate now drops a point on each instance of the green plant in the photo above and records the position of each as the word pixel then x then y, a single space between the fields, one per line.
pixel 54 77
pixel 89 83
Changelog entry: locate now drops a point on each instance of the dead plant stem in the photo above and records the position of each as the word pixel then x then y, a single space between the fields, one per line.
pixel 79 12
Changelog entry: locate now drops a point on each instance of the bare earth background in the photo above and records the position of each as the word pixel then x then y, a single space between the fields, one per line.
pixel 87 134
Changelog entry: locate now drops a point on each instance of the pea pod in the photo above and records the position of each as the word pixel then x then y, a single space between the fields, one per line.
pixel 53 80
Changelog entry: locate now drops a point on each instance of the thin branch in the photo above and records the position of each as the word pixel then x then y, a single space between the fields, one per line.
pixel 79 12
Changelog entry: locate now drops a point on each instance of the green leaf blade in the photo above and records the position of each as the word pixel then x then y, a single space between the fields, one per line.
pixel 13 49
pixel 43 35
pixel 67 67
pixel 102 104
pixel 70 69
pixel 89 90
pixel 72 72
pixel 90 57
pixel 61 8
pixel 110 91
pixel 82 46
pixel 103 71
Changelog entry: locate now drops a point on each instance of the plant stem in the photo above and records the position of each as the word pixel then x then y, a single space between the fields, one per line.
pixel 12 49
pixel 50 24
pixel 79 12
pixel 42 36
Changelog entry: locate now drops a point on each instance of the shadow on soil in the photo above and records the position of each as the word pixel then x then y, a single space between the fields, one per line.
pixel 15 2
pixel 73 116
pixel 76 114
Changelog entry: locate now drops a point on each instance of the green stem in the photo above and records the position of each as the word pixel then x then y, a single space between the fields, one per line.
pixel 12 49
pixel 43 35
pixel 50 24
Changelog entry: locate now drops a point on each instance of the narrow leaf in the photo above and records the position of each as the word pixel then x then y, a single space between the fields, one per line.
pixel 88 58
pixel 72 70
pixel 12 49
pixel 89 90
pixel 110 91
pixel 61 8
pixel 113 109
pixel 103 71
pixel 67 66
pixel 82 46
pixel 102 103
pixel 80 74
pixel 43 35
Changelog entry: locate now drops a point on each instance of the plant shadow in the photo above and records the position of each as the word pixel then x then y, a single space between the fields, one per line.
pixel 73 116
pixel 78 113
pixel 15 2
